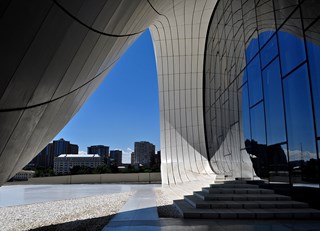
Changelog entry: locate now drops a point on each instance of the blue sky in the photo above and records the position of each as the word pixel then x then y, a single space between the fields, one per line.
pixel 125 107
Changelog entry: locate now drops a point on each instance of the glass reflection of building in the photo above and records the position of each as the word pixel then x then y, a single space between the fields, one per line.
pixel 262 89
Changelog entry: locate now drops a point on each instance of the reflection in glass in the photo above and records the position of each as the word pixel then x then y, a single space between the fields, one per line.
pixel 269 67
pixel 279 171
pixel 269 161
pixel 314 65
pixel 269 51
pixel 292 51
pixel 275 123
pixel 301 139
pixel 254 79
pixel 257 124
pixel 259 157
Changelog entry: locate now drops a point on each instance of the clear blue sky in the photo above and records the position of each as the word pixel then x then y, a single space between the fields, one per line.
pixel 125 107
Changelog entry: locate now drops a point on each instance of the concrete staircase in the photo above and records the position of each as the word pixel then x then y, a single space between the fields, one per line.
pixel 239 200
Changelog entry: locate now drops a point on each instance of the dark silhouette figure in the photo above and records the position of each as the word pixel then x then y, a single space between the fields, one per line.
pixel 266 159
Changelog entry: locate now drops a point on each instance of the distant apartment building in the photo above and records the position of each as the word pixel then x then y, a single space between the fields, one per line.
pixel 74 148
pixel 64 147
pixel 101 150
pixel 144 153
pixel 132 158
pixel 116 157
pixel 157 159
pixel 45 158
pixel 23 175
pixel 64 162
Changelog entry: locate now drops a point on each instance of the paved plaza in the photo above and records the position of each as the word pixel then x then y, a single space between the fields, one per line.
pixel 12 195
pixel 139 211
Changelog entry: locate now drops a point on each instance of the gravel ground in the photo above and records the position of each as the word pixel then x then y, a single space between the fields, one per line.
pixel 89 213
pixel 165 205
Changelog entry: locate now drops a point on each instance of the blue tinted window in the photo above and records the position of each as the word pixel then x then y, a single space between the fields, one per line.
pixel 254 79
pixel 264 37
pixel 257 124
pixel 292 51
pixel 245 113
pixel 245 76
pixel 274 104
pixel 269 51
pixel 314 63
pixel 301 140
pixel 319 150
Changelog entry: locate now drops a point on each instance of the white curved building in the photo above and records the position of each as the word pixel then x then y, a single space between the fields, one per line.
pixel 54 54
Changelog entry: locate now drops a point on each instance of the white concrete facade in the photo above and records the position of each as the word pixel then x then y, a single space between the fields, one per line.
pixel 69 47
pixel 179 35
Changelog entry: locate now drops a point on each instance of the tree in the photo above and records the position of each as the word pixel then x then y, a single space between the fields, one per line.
pixel 77 170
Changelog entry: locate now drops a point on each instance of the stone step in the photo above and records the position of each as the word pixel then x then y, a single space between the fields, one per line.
pixel 294 213
pixel 235 182
pixel 196 202
pixel 237 190
pixel 240 197
pixel 220 177
pixel 233 186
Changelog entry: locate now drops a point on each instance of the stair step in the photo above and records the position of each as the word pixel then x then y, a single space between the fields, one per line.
pixel 189 212
pixel 240 197
pixel 235 182
pixel 233 186
pixel 237 190
pixel 220 177
pixel 196 202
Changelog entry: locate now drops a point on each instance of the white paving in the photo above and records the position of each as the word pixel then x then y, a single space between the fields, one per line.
pixel 139 213
pixel 12 195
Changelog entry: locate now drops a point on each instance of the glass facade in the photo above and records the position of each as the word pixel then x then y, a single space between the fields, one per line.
pixel 264 55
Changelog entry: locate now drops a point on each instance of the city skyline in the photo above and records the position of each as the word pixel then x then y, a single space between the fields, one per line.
pixel 126 154
pixel 104 117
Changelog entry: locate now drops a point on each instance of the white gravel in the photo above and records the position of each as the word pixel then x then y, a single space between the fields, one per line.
pixel 89 213
pixel 165 205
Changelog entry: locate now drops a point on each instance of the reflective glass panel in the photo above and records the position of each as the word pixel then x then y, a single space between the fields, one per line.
pixel 274 103
pixel 278 163
pixel 292 51
pixel 301 138
pixel 258 124
pixel 245 76
pixel 269 51
pixel 314 64
pixel 254 79
pixel 259 46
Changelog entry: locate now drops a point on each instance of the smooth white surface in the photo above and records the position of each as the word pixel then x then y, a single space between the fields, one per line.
pixel 13 195
pixel 139 213
pixel 179 41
